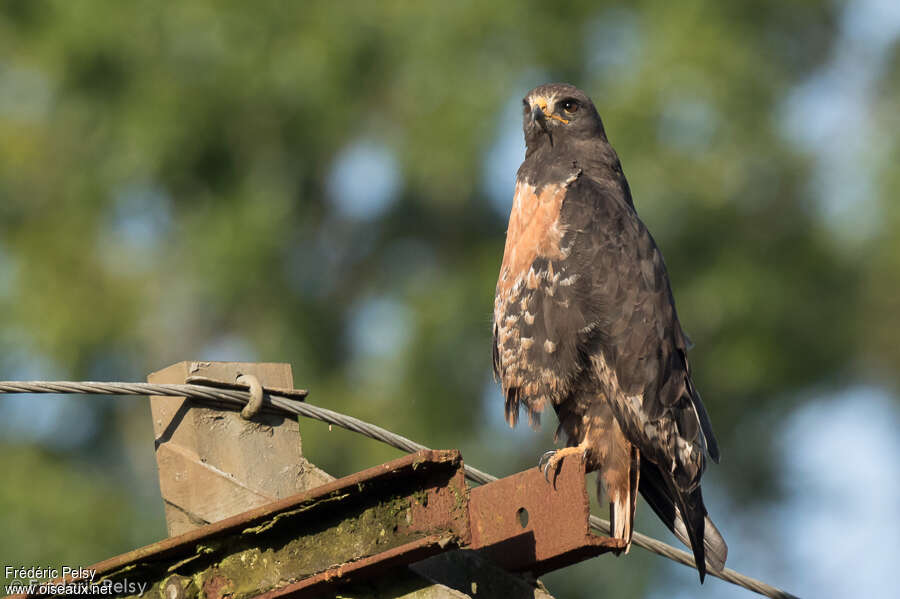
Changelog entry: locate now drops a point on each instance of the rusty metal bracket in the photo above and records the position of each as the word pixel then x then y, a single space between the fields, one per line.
pixel 394 514
pixel 524 523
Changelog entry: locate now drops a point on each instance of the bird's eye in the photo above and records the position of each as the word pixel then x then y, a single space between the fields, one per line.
pixel 570 106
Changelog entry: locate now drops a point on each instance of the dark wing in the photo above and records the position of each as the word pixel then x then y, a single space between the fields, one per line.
pixel 637 335
pixel 638 349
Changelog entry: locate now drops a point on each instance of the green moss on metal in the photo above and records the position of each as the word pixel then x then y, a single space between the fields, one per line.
pixel 266 525
pixel 358 521
pixel 252 567
pixel 266 556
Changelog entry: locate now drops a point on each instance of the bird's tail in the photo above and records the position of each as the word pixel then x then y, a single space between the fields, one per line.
pixel 685 515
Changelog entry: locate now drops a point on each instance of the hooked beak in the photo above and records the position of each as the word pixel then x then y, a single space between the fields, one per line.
pixel 538 116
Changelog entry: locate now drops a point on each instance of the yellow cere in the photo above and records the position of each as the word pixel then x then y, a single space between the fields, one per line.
pixel 543 103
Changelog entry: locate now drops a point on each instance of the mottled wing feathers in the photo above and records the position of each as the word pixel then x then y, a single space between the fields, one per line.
pixel 639 352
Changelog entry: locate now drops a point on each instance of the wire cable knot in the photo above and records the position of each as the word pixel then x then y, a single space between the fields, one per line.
pixel 256 395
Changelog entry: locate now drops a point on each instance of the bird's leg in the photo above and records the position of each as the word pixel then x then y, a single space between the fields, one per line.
pixel 551 459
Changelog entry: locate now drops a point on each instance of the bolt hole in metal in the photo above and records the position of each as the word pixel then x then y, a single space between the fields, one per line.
pixel 522 515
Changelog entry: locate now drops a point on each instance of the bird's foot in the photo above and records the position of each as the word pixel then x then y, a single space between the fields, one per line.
pixel 551 459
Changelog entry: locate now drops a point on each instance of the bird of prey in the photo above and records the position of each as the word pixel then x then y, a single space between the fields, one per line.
pixel 584 321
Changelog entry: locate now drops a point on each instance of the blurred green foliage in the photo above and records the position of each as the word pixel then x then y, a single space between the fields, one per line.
pixel 166 193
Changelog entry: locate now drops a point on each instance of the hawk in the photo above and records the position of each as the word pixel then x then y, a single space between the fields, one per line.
pixel 584 321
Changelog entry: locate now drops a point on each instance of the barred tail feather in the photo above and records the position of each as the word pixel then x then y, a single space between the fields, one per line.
pixel 697 531
pixel 713 544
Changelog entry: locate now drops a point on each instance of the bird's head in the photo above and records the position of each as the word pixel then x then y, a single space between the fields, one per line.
pixel 557 113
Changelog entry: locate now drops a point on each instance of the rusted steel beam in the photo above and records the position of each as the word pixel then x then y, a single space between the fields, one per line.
pixel 362 525
pixel 396 513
